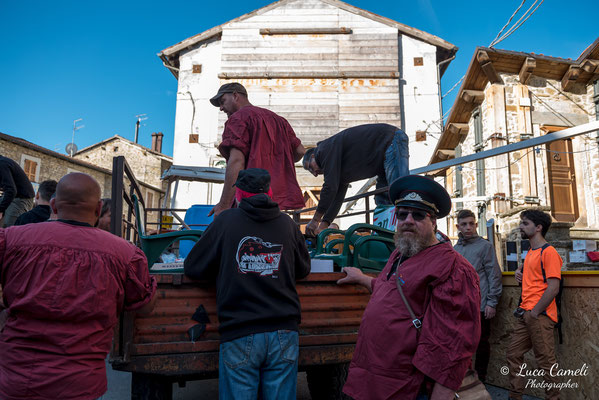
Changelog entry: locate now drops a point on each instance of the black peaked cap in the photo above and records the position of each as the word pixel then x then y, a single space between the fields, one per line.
pixel 420 192
pixel 253 180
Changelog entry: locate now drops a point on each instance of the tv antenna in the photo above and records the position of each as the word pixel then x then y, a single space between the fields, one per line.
pixel 71 147
pixel 140 117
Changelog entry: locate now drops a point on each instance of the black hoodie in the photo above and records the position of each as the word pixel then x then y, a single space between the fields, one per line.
pixel 255 253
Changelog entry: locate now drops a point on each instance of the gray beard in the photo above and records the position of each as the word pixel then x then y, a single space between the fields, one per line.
pixel 408 246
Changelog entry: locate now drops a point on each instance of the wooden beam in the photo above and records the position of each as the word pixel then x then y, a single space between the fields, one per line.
pixel 590 66
pixel 311 75
pixel 305 31
pixel 487 65
pixel 312 196
pixel 569 78
pixel 472 96
pixel 445 154
pixel 458 128
pixel 528 67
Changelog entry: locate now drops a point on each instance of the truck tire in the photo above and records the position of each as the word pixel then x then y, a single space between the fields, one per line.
pixel 150 387
pixel 325 382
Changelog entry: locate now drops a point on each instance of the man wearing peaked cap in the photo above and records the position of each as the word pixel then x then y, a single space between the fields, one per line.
pixel 420 192
pixel 257 138
pixel 253 180
pixel 397 354
pixel 232 87
pixel 256 253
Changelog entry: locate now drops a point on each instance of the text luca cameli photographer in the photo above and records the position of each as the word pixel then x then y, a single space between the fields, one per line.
pixel 536 378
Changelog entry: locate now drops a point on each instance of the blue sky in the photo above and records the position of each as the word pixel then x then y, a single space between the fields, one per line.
pixel 64 60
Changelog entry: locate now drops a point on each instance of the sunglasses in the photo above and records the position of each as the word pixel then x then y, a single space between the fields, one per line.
pixel 416 214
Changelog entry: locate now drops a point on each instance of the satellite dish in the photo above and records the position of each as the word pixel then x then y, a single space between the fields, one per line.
pixel 71 149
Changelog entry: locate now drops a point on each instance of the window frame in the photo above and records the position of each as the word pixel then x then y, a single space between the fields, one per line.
pixel 38 163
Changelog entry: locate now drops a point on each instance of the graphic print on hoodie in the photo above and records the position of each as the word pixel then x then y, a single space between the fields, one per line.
pixel 257 256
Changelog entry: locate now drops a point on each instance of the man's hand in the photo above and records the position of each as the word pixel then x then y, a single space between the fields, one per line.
pixel 298 152
pixel 518 275
pixel 218 208
pixel 489 312
pixel 323 225
pixel 547 297
pixel 356 276
pixel 147 308
pixel 441 392
pixel 312 227
pixel 235 163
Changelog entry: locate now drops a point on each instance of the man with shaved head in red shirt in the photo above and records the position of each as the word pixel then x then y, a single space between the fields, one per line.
pixel 65 284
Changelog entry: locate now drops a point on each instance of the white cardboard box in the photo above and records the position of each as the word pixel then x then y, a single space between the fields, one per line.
pixel 173 267
pixel 322 266
pixel 586 245
pixel 579 256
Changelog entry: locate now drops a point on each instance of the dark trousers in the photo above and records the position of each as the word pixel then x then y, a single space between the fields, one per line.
pixel 483 352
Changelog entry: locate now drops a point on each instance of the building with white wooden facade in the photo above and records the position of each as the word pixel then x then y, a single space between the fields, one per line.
pixel 322 64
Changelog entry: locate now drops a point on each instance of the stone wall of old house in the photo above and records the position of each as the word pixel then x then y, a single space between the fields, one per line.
pixel 553 107
pixel 513 112
pixel 146 165
pixel 51 167
pixel 54 167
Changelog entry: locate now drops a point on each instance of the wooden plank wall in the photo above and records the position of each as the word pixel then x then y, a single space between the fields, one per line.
pixel 315 106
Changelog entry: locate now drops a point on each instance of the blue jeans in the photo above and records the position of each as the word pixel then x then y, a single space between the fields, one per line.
pixel 261 364
pixel 396 165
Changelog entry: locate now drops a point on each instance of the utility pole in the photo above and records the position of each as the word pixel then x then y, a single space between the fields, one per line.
pixel 140 117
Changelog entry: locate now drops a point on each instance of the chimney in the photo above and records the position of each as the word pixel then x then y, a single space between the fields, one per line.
pixel 157 141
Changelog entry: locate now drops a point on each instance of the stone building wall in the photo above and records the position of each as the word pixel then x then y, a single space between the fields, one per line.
pixel 52 167
pixel 553 107
pixel 513 112
pixel 147 165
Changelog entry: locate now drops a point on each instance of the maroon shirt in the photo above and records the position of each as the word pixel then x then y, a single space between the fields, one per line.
pixel 267 141
pixel 391 359
pixel 64 286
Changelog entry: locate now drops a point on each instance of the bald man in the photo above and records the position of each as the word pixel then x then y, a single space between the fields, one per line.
pixel 65 284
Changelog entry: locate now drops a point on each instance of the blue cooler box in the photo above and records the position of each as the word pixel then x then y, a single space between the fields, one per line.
pixel 197 218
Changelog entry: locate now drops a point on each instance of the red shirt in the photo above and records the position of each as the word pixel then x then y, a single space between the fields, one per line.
pixel 267 141
pixel 64 286
pixel 391 359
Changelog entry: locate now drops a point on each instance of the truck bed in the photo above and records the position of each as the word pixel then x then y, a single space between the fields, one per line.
pixel 159 343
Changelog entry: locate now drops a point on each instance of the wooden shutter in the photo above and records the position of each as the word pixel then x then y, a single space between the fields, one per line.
pixel 29 168
pixel 562 181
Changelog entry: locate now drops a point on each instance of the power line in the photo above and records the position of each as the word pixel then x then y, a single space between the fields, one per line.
pixel 505 36
pixel 536 150
pixel 508 22
pixel 586 150
pixel 519 24
pixel 496 168
pixel 454 86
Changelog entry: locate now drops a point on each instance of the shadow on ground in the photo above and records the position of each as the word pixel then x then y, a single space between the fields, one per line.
pixel 119 388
